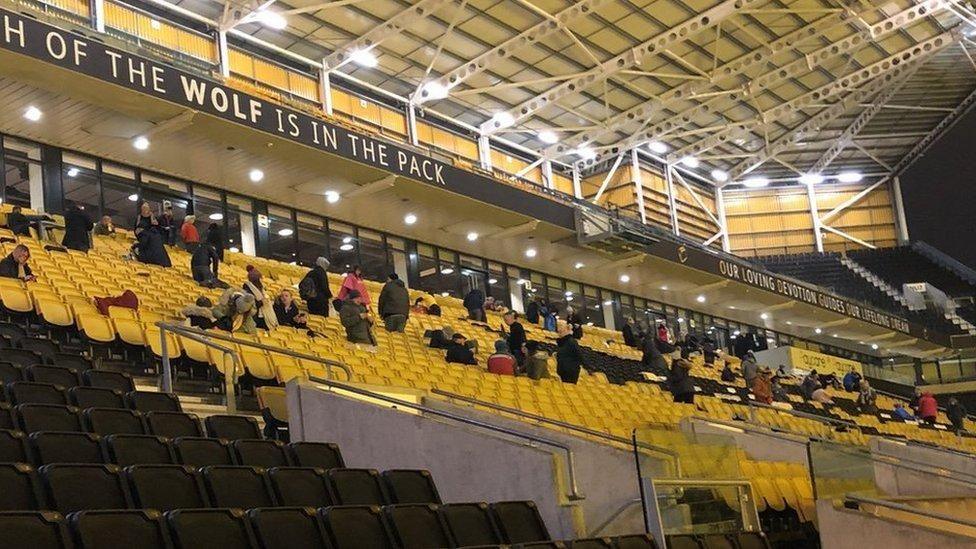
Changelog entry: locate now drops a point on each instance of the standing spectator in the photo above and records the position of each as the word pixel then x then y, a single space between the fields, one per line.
pixel 653 358
pixel 569 356
pixel 77 229
pixel 537 361
pixel 189 234
pixel 204 265
pixel 762 386
pixel 680 381
pixel 662 332
pixel 630 336
pixel 575 322
pixel 750 370
pixel 314 288
pixel 105 227
pixel 145 220
pixel 501 362
pixel 15 265
pixel 21 224
pixel 913 403
pixel 394 304
pixel 215 236
pixel 287 313
pixel 167 225
pixel 516 337
pixel 852 380
pixel 709 351
pixel 458 351
pixel 957 414
pixel 356 319
pixel 532 311
pixel 264 317
pixel 867 398
pixel 149 246
pixel 474 302
pixel 928 408
pixel 354 281
pixel 549 321
pixel 810 384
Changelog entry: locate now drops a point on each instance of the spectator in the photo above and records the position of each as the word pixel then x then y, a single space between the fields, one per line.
pixel 145 220
pixel 762 386
pixel 314 288
pixel 662 332
pixel 77 229
pixel 867 398
pixel 680 381
pixel 537 361
pixel 653 358
pixel 458 351
pixel 105 227
pixel 630 336
pixel 354 281
pixel 441 339
pixel 728 375
pixel 830 380
pixel 234 312
pixel 709 351
pixel 204 265
pixel 200 314
pixel 516 336
pixel 569 356
pixel 167 225
pixel 491 304
pixel 821 396
pixel 215 236
pixel 21 224
pixel 902 413
pixel 750 370
pixel 690 346
pixel 779 392
pixel 394 304
pixel 928 408
pixel 189 234
pixel 532 311
pixel 852 380
pixel 913 403
pixel 264 316
pixel 549 321
pixel 501 362
pixel 418 306
pixel 15 265
pixel 356 319
pixel 575 322
pixel 474 302
pixel 957 414
pixel 149 240
pixel 434 310
pixel 287 313
pixel 810 384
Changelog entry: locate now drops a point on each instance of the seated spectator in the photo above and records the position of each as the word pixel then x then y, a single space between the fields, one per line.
pixel 782 373
pixel 867 398
pixel 491 304
pixel 821 396
pixel 189 233
pixel 287 313
pixel 15 265
pixel 852 380
pixel 105 227
pixel 779 392
pixel 652 359
pixel 204 264
pixel 680 381
pixel 127 299
pixel 394 304
pixel 810 384
pixel 434 310
pixel 728 375
pixel 20 224
pixel 957 414
pixel 264 316
pixel 440 339
pixel 418 306
pixel 200 314
pixel 536 361
pixel 234 312
pixel 928 408
pixel 458 351
pixel 569 356
pixel 77 229
pixel 356 319
pixel 502 362
pixel 762 386
pixel 830 380
pixel 354 281
pixel 900 412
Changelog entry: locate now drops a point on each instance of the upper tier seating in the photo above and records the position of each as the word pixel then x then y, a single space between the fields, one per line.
pixel 903 265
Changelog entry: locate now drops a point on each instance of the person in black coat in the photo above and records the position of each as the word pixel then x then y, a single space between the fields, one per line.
pixel 532 311
pixel 630 335
pixel 15 265
pixel 569 356
pixel 474 302
pixel 215 236
pixel 287 313
pixel 575 322
pixel 516 337
pixel 204 264
pixel 320 297
pixel 458 351
pixel 681 383
pixel 654 350
pixel 77 229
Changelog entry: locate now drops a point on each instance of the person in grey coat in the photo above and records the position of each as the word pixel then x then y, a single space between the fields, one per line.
pixel 394 304
pixel 357 320
pixel 750 370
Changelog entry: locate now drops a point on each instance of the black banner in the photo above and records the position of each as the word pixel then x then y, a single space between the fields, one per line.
pixel 23 35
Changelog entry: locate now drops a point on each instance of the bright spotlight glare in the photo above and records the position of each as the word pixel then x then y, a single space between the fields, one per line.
pixel 72 172
pixel 764 316
pixel 690 161
pixel 811 179
pixel 579 265
pixel 434 90
pixel 548 137
pixel 285 232
pixel 625 278
pixel 255 175
pixel 755 182
pixel 365 58
pixel 133 197
pixel 503 119
pixel 657 147
pixel 410 219
pixel 586 153
pixel 331 197
pixel 849 177
pixel 531 252
pixel 141 143
pixel 472 236
pixel 700 299
pixel 216 216
pixel 33 114
pixel 271 19
pixel 346 247
pixel 720 176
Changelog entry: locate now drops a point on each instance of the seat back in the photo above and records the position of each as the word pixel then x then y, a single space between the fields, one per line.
pixel 411 486
pixel 13 447
pixel 752 540
pixel 288 528
pixel 142 528
pixel 96 397
pixel 591 543
pixel 417 526
pixel 22 357
pixel 519 521
pixel 20 488
pixel 300 486
pixel 149 401
pixel 260 453
pixel 10 372
pixel 66 447
pixel 56 375
pixel 683 542
pixel 357 526
pixel 636 541
pixel 357 487
pixel 76 487
pixel 470 524
pixel 119 381
pixel 114 421
pixel 173 424
pixel 72 360
pixel 166 487
pixel 37 530
pixel 197 528
pixel 717 541
pixel 232 427
pixel 325 455
pixel 48 417
pixel 45 348
pixel 124 450
pixel 200 452
pixel 29 392
pixel 241 487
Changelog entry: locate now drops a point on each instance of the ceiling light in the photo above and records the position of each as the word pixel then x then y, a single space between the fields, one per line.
pixel 271 19
pixel 72 172
pixel 234 249
pixel 732 307
pixel 690 161
pixel 586 153
pixel 811 179
pixel 346 247
pixel 720 176
pixel 817 331
pixel 331 197
pixel 492 281
pixel 521 282
pixel 364 57
pixel 608 303
pixel 141 143
pixel 849 177
pixel 216 216
pixel 625 278
pixel 569 298
pixel 737 332
pixel 346 239
pixel 133 197
pixel 664 288
pixel 681 319
pixel 32 113
pixel 410 219
pixel 434 90
pixel 548 136
pixel 531 252
pixel 764 316
pixel 789 322
pixel 579 265
pixel 447 270
pixel 286 232
pixel 472 236
pixel 700 299
pixel 755 182
pixel 503 119
pixel 833 335
pixel 255 175
pixel 874 346
pixel 657 147
pixel 568 294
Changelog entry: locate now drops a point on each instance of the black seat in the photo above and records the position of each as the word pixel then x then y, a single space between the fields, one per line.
pixel 200 452
pixel 20 489
pixel 325 455
pixel 57 375
pixel 636 541
pixel 78 487
pixel 22 357
pixel 683 542
pixel 418 526
pixel 7 417
pixel 173 424
pixel 357 487
pixel 124 450
pixel 717 541
pixel 13 447
pixel 300 486
pixel 114 421
pixel 143 528
pixel 288 528
pixel 96 397
pixel 260 453
pixel 28 392
pixel 241 487
pixel 207 528
pixel 357 526
pixel 37 530
pixel 470 524
pixel 149 401
pixel 542 545
pixel 752 540
pixel 73 360
pixel 66 447
pixel 519 521
pixel 591 543
pixel 48 417
pixel 411 486
pixel 12 332
pixel 166 487
pixel 10 372
pixel 120 381
pixel 233 427
pixel 45 348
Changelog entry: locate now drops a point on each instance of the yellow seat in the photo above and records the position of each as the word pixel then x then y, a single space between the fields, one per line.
pixel 156 345
pixel 55 313
pixel 258 364
pixel 130 331
pixel 273 400
pixel 121 312
pixel 16 300
pixel 96 327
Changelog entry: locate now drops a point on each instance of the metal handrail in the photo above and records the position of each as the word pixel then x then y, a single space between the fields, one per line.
pixel 574 494
pixel 908 509
pixel 673 455
pixel 899 462
pixel 805 415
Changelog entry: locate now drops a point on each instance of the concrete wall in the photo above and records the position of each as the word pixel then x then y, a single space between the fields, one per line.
pixel 899 481
pixel 847 529
pixel 468 463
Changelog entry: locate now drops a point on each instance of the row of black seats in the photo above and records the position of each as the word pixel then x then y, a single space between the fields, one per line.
pixel 742 540
pixel 46 392
pixel 25 351
pixel 63 375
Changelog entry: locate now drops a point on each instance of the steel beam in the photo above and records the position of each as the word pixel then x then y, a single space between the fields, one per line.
pixel 948 122
pixel 720 210
pixel 815 216
pixel 606 180
pixel 638 178
pixel 672 203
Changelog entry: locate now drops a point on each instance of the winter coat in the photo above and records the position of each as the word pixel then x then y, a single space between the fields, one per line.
pixel 228 318
pixel 215 236
pixel 189 233
pixel 852 380
pixel 569 358
pixel 537 365
pixel 149 248
pixel 866 399
pixel 394 299
pixel 286 315
pixel 928 406
pixel 9 268
pixel 474 300
pixel 680 379
pixel 532 312
pixel 957 414
pixel 358 329
pixel 653 357
pixel 750 370
pixel 459 354
pixel 353 282
pixel 77 226
pixel 502 364
pixel 630 338
pixel 319 304
pixel 762 388
pixel 576 323
pixel 199 317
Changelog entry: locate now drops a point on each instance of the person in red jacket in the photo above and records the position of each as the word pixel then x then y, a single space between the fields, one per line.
pixel 928 408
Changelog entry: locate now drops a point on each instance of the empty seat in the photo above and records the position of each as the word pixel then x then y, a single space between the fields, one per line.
pixel 13 333
pixel 44 348
pixel 470 524
pixel 418 526
pixel 636 541
pixel 173 424
pixel 120 381
pixel 20 489
pixel 13 446
pixel 241 487
pixel 114 421
pixel 683 542
pixel 48 417
pixel 77 487
pixel 208 528
pixel 124 450
pixel 544 545
pixel 591 543
pixel 357 526
pixel 57 375
pixel 357 487
pixel 325 455
pixel 288 528
pixel 233 427
pixel 519 521
pixel 717 541
pixel 260 453
pixel 96 397
pixel 73 360
pixel 411 486
pixel 66 447
pixel 22 357
pixel 142 528
pixel 10 372
pixel 149 401
pixel 300 486
pixel 28 392
pixel 37 530
pixel 7 417
pixel 200 452
pixel 752 540
pixel 166 487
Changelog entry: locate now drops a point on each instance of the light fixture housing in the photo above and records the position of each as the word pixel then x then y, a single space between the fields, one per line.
pixel 216 216
pixel 502 119
pixel 764 316
pixel 271 19
pixel 331 197
pixel 32 113
pixel 141 143
pixel 657 147
pixel 625 278
pixel 72 172
pixel 700 299
pixel 849 177
pixel 817 331
pixel 447 270
pixel 472 236
pixel 811 179
pixel 874 346
pixel 434 90
pixel 346 239
pixel 410 219
pixel 364 57
pixel 755 182
pixel 255 175
pixel 585 153
pixel 347 247
pixel 720 176
pixel 579 265
pixel 492 281
pixel 531 252
pixel 133 197
pixel 286 232
pixel 548 137
pixel 690 161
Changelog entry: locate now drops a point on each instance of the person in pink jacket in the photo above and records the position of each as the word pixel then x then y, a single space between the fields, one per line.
pixel 354 281
pixel 928 408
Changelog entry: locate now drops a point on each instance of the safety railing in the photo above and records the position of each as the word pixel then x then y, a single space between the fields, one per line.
pixel 855 501
pixel 574 493
pixel 796 413
pixel 671 455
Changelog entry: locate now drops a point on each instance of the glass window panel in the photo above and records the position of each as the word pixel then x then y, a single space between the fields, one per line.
pixel 342 247
pixel 162 181
pixel 372 255
pixel 80 184
pixel 282 238
pixel 238 202
pixel 312 240
pixel 16 177
pixel 208 210
pixel 119 199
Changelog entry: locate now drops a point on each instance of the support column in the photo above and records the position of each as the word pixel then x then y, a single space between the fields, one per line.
pixel 222 54
pixel 484 152
pixel 577 184
pixel 635 174
pixel 262 235
pixel 98 15
pixel 720 210
pixel 609 319
pixel 672 204
pixel 547 174
pixel 815 214
pixel 412 125
pixel 46 186
pixel 901 225
pixel 325 91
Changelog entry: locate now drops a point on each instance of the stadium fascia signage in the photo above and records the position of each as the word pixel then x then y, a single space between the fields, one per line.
pixel 24 35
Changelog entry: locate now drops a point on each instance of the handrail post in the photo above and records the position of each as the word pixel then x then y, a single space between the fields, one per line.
pixel 166 380
pixel 229 380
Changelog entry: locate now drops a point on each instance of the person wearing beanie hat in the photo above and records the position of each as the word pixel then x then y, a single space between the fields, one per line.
pixel 265 317
pixel 357 320
pixel 234 312
pixel 314 288
pixel 354 281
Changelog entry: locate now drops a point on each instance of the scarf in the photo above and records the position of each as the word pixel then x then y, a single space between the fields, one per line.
pixel 267 308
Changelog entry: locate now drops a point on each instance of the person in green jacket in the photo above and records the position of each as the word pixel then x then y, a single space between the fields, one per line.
pixel 357 320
